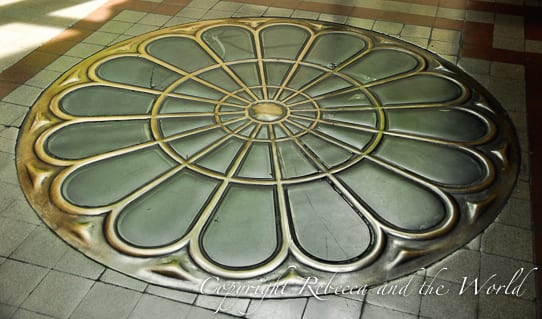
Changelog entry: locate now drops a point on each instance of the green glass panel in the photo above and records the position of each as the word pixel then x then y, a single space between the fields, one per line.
pixel 325 225
pixel 179 105
pixel 328 85
pixel 332 49
pixel 104 101
pixel 381 64
pixel 221 79
pixel 276 72
pixel 438 163
pixel 263 133
pixel 109 180
pixel 366 118
pixel 293 163
pixel 189 146
pixel 279 132
pixel 165 214
pixel 243 231
pixel 230 43
pixel 276 45
pixel 257 163
pixel 399 201
pixel 355 138
pixel 222 157
pixel 183 53
pixel 303 76
pixel 355 98
pixel 179 125
pixel 446 124
pixel 330 154
pixel 294 129
pixel 249 75
pixel 193 88
pixel 419 88
pixel 138 72
pixel 91 138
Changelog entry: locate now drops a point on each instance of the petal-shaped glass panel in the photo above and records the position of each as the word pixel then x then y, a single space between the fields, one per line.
pixel 221 158
pixel 325 225
pixel 399 201
pixel 332 49
pixel 174 126
pixel 221 79
pixel 420 88
pixel 197 89
pixel 137 71
pixel 242 232
pixel 72 142
pixel 187 147
pixel 257 163
pixel 355 98
pixel 102 100
pixel 329 153
pixel 293 162
pixel 183 53
pixel 165 214
pixel 230 43
pixel 276 45
pixel 178 105
pixel 439 163
pixel 109 180
pixel 381 64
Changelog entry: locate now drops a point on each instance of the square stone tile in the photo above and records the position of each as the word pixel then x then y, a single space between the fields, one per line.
pixel 138 29
pixel 230 305
pixel 422 9
pixel 154 19
pixel 106 301
pixel 21 210
pixel 7 168
pixel 302 14
pixel 390 28
pixel 173 294
pixel 443 47
pixel 278 12
pixel 504 270
pixel 116 278
pixel 6 310
pixel 200 313
pixel 8 145
pixel 155 307
pixel 274 308
pixel 44 78
pixel 480 16
pixel 227 6
pixel 416 31
pixel 517 213
pixel 83 50
pixel 450 13
pixel 9 113
pixel 508 241
pixel 252 10
pixel 513 44
pixel 533 46
pixel 58 294
pixel 508 70
pixel 445 35
pixel 505 307
pixel 63 63
pixel 216 14
pixel 421 42
pixel 462 263
pixel 332 18
pixel 360 22
pixel 129 16
pixel 193 13
pixel 450 304
pixel 202 4
pixel 100 38
pixel 25 314
pixel 12 234
pixel 475 243
pixel 509 26
pixel 409 301
pixel 24 95
pixel 76 263
pixel 17 280
pixel 42 248
pixel 475 66
pixel 333 307
pixel 118 27
pixel 372 311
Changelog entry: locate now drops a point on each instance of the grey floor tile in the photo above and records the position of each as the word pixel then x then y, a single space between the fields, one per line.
pixel 118 279
pixel 173 294
pixel 505 307
pixel 461 263
pixel 17 280
pixel 274 308
pixel 9 112
pixel 43 79
pixel 76 263
pixel 7 310
pixel 42 248
pixel 106 301
pixel 7 168
pixel 332 307
pixel 517 212
pixel 155 307
pixel 23 95
pixel 508 241
pixel 200 313
pixel 376 312
pixel 409 301
pixel 21 210
pixel 504 269
pixel 25 314
pixel 63 63
pixel 450 303
pixel 230 305
pixel 12 234
pixel 129 16
pixel 58 294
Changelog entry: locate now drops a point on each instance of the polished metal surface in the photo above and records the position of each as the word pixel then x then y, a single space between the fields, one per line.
pixel 259 152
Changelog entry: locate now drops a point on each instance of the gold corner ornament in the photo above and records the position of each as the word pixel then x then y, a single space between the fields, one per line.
pixel 262 153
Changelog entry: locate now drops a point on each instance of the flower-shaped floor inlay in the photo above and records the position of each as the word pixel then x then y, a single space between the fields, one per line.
pixel 257 151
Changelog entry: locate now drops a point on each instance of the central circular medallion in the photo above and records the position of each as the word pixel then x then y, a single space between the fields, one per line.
pixel 267 111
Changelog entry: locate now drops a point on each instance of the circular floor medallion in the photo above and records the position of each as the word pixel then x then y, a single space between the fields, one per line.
pixel 256 152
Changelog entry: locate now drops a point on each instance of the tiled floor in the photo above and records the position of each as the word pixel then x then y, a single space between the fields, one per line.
pixel 498 43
